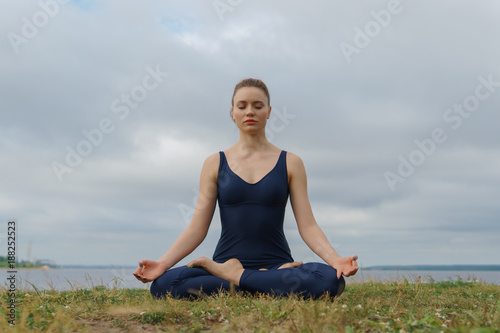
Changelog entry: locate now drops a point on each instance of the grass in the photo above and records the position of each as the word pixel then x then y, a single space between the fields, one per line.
pixel 402 306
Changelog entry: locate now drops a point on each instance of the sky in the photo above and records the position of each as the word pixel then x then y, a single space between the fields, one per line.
pixel 108 110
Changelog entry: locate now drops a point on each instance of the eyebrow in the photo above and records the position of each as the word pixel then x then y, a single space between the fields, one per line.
pixel 255 102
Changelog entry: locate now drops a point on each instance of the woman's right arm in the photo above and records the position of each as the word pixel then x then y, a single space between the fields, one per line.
pixel 196 231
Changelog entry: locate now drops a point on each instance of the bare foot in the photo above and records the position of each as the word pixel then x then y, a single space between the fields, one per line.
pixel 291 264
pixel 230 271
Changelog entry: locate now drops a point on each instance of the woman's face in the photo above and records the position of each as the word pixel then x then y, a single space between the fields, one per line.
pixel 251 108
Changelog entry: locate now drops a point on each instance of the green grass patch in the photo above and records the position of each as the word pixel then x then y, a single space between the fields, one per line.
pixel 401 306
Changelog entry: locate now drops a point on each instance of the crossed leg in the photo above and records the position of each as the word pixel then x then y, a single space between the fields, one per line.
pixel 309 280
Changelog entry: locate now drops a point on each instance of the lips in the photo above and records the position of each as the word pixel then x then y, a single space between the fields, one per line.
pixel 250 121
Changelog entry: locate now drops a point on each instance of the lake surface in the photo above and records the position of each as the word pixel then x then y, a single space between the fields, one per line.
pixel 490 277
pixel 78 278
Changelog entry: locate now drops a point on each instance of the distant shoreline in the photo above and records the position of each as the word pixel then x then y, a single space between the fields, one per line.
pixel 434 268
pixel 75 267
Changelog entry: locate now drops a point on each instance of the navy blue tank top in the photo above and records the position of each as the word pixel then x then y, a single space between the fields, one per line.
pixel 252 217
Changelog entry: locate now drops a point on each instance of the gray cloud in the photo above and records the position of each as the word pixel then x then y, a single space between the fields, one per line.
pixel 352 121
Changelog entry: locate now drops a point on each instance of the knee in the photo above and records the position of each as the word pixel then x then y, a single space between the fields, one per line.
pixel 326 281
pixel 162 286
pixel 159 289
pixel 333 285
pixel 340 287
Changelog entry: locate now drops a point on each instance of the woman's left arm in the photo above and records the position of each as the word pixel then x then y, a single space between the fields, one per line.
pixel 309 230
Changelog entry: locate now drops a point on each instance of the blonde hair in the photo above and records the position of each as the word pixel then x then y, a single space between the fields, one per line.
pixel 256 83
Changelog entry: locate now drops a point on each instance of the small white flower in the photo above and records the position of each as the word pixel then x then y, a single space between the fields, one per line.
pixel 344 306
pixel 322 314
pixel 360 306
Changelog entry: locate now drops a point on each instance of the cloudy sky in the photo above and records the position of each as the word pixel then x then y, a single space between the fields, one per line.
pixel 108 110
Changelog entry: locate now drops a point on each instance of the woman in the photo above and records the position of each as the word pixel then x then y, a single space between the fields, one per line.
pixel 251 182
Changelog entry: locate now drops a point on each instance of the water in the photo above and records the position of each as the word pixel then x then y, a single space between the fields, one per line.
pixel 490 277
pixel 78 278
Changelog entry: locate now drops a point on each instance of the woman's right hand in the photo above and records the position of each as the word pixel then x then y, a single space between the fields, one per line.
pixel 149 270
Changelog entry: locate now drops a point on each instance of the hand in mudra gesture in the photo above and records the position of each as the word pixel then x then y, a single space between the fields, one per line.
pixel 346 266
pixel 149 270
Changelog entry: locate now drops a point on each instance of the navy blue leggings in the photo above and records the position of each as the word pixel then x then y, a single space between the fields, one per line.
pixel 308 280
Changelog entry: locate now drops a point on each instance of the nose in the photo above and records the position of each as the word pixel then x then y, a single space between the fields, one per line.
pixel 249 110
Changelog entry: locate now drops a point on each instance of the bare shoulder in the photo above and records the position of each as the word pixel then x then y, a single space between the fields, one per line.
pixel 211 164
pixel 295 166
pixel 294 160
pixel 213 159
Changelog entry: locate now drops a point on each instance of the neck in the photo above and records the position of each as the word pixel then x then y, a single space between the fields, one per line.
pixel 253 142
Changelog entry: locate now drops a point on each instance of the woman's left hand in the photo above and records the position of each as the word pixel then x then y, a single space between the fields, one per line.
pixel 346 266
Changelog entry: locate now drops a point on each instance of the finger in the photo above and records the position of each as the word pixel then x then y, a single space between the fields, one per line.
pixel 348 273
pixel 355 258
pixel 141 278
